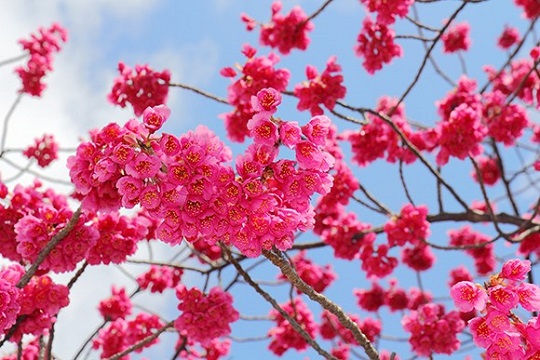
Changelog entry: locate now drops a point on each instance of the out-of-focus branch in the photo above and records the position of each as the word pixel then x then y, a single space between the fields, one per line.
pixel 200 92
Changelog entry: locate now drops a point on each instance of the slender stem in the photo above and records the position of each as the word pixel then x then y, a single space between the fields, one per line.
pixel 319 10
pixel 200 92
pixel 13 59
pixel 277 259
pixel 6 122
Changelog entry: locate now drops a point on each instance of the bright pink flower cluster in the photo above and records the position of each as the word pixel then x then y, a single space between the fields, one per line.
pixel 117 306
pixel 432 330
pixel 40 300
pixel 41 48
pixel 118 237
pixel 499 331
pixel 484 256
pixel 520 78
pixel 456 38
pixel 141 87
pixel 410 226
pixel 324 89
pixel 256 74
pixel 121 334
pixel 204 317
pixel 205 251
pixel 44 150
pixel 505 122
pixel 531 8
pixel 376 45
pixel 9 295
pixel 377 139
pixel 509 37
pixel 284 32
pixel 43 215
pixel 461 129
pixel 283 335
pixel 159 278
pixel 489 170
pixel 387 11
pixel 318 277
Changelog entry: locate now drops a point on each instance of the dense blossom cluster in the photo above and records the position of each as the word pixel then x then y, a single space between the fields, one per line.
pixel 256 74
pixel 44 150
pixel 489 170
pixel 9 295
pixel 159 278
pixel 376 45
pixel 40 48
pixel 509 37
pixel 121 334
pixel 283 335
pixel 433 331
pixel 324 89
pixel 284 32
pixel 456 38
pixel 204 317
pixel 498 329
pixel 483 253
pixel 387 11
pixel 141 87
pixel 117 306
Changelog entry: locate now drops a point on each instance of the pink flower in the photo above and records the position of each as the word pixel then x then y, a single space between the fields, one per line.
pixel 117 306
pixel 387 11
pixel 376 45
pixel 503 298
pixel 489 170
pixel 286 32
pixel 509 37
pixel 142 87
pixel 325 89
pixel 154 117
pixel 411 226
pixel 468 296
pixel 266 101
pixel 456 38
pixel 531 8
pixel 529 296
pixel 515 269
pixel 44 150
pixel 41 48
pixel 290 133
pixel 204 317
pixel 318 277
pixel 143 166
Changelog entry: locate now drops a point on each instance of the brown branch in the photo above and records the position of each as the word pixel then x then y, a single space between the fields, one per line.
pixel 200 92
pixel 287 270
pixel 48 248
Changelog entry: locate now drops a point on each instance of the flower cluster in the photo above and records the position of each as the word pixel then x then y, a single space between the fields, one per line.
pixel 159 278
pixel 40 300
pixel 410 226
pixel 325 89
pixel 387 11
pixel 520 78
pixel 489 170
pixel 256 74
pixel 394 297
pixel 378 139
pixel 9 294
pixel 318 277
pixel 121 334
pixel 456 38
pixel 505 122
pixel 432 330
pixel 331 328
pixel 283 335
pixel 215 350
pixel 141 87
pixel 41 48
pixel 44 150
pixel 117 306
pixel 376 45
pixel 509 37
pixel 498 330
pixel 483 252
pixel 284 32
pixel 531 8
pixel 204 317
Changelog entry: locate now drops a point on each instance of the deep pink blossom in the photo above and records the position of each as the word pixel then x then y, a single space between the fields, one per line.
pixel 204 317
pixel 141 87
pixel 387 11
pixel 468 296
pixel 286 32
pixel 41 48
pixel 117 306
pixel 318 277
pixel 531 8
pixel 508 38
pixel 159 278
pixel 515 269
pixel 489 170
pixel 44 150
pixel 376 45
pixel 410 226
pixel 324 89
pixel 456 38
pixel 370 299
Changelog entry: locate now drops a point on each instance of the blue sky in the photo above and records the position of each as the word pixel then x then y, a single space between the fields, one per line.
pixel 194 40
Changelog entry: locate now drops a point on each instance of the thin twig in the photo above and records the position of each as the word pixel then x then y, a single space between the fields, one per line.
pixel 200 92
